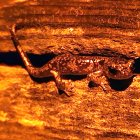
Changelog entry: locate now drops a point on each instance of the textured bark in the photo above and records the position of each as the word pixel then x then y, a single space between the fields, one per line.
pixel 31 108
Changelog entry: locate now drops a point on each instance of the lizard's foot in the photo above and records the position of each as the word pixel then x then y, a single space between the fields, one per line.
pixel 65 87
pixel 69 88
pixel 62 86
pixel 105 88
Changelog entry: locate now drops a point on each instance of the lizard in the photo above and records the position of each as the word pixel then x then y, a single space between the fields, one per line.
pixel 97 68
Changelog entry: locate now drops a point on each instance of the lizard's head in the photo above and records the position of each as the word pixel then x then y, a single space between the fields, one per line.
pixel 119 69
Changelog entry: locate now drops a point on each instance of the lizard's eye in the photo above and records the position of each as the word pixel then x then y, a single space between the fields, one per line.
pixel 112 70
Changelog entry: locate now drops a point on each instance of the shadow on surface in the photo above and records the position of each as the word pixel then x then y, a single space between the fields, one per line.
pixel 120 85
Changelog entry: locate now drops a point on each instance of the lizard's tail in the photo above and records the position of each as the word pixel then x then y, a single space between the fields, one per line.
pixel 17 45
pixel 35 72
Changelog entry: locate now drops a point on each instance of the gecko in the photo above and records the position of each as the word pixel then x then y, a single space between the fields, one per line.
pixel 97 68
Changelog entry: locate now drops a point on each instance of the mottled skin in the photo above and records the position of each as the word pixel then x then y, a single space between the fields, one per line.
pixel 97 68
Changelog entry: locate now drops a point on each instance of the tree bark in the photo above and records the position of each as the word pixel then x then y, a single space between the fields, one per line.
pixel 31 108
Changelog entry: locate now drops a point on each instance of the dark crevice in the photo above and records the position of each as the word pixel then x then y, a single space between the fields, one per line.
pixel 12 58
pixel 118 135
pixel 136 66
pixel 75 77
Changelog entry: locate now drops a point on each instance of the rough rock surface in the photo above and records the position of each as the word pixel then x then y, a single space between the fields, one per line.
pixel 31 108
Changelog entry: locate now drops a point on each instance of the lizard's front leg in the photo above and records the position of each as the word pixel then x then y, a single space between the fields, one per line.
pixel 99 79
pixel 61 86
